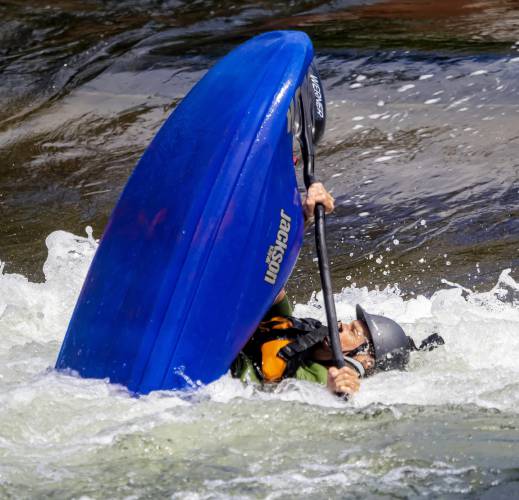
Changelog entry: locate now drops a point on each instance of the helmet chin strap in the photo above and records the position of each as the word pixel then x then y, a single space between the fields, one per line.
pixel 356 365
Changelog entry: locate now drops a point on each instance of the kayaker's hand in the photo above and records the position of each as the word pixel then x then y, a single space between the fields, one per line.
pixel 343 380
pixel 317 194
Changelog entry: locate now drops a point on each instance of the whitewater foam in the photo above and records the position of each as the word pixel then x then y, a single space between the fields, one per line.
pixel 476 366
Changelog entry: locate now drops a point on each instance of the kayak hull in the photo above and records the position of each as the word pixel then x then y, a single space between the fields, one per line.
pixel 205 233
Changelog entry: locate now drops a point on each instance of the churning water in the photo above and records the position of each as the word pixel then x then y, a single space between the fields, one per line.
pixel 421 155
pixel 449 425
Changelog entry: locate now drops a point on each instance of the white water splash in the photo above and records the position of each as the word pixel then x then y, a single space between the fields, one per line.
pixel 477 365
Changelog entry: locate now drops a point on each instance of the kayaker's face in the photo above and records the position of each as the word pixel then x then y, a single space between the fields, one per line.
pixel 352 336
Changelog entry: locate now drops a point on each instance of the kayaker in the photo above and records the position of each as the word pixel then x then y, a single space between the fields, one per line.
pixel 284 346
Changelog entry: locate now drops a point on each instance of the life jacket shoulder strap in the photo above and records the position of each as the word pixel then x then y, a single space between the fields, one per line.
pixel 281 344
pixel 303 343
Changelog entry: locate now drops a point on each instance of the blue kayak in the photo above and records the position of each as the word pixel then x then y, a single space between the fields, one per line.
pixel 205 233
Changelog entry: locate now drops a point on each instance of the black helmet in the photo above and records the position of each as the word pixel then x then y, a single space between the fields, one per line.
pixel 392 346
pixel 390 342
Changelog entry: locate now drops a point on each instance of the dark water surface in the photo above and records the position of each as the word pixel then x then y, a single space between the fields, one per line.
pixel 422 156
pixel 85 85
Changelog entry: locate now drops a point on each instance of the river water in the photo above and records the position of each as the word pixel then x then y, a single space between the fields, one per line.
pixel 421 155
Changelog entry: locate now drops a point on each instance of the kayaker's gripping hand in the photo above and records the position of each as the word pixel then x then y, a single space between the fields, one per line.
pixel 343 380
pixel 317 194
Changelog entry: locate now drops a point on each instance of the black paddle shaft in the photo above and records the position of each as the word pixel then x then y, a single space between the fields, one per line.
pixel 320 236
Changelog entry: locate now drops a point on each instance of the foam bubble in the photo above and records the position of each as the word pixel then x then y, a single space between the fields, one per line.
pixel 406 87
